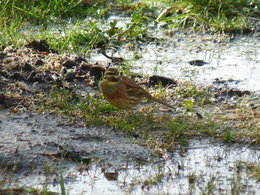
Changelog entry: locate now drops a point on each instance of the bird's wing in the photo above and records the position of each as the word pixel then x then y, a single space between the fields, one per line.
pixel 132 89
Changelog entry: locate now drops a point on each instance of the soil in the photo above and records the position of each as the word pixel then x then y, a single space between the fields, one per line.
pixel 29 137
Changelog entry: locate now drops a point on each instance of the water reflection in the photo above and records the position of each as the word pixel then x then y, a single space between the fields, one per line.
pixel 202 167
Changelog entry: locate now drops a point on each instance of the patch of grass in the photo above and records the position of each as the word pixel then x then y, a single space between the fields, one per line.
pixel 227 135
pixel 210 186
pixel 252 169
pixel 92 109
pixel 51 17
pixel 236 186
pixel 49 170
pixel 62 184
pixel 24 21
pixel 18 14
pixel 153 178
pixel 188 104
pixel 81 36
pixel 176 131
pixel 159 130
pixel 242 122
pixel 194 95
pixel 40 12
pixel 149 182
pixel 25 190
pixel 212 15
pixel 192 182
pixel 96 35
pixel 132 123
pixel 86 107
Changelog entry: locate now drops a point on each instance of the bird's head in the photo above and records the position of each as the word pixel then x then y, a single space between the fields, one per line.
pixel 112 75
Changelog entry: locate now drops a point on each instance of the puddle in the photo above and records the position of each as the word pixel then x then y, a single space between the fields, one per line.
pixel 202 167
pixel 237 61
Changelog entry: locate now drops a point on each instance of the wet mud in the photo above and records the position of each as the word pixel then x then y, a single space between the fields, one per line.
pixel 29 139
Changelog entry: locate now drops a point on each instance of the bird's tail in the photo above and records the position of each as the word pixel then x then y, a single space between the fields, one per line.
pixel 161 102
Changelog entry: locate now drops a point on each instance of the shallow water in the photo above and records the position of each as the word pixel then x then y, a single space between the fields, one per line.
pixel 237 61
pixel 203 166
pixel 234 60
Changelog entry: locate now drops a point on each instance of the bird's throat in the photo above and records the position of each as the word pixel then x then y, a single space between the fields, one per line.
pixel 108 87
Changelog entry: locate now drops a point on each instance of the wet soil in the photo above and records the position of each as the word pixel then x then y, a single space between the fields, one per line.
pixel 29 139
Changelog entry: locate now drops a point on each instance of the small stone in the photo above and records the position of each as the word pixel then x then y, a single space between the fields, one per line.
pixel 17 76
pixel 85 66
pixel 70 76
pixel 41 46
pixel 39 77
pixel 27 67
pixel 2 56
pixel 69 64
pixel 4 74
pixel 197 62
pixel 39 62
pixel 97 72
pixel 164 81
pixel 79 59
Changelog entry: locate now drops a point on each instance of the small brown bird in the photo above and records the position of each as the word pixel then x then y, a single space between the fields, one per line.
pixel 122 92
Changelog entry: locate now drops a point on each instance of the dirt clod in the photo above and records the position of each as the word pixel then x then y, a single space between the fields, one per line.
pixel 41 46
pixel 164 81
pixel 70 64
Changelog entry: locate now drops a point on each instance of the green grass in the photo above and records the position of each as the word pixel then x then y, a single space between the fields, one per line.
pixel 252 169
pixel 212 15
pixel 39 12
pixel 62 22
pixel 62 184
pixel 24 21
pixel 160 130
pixel 82 37
pixel 210 186
pixel 20 19
pixel 8 185
pixel 78 37
pixel 94 110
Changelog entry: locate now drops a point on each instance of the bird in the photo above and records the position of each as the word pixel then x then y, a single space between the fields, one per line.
pixel 122 92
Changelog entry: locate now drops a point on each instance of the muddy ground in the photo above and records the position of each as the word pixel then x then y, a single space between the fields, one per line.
pixel 29 138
